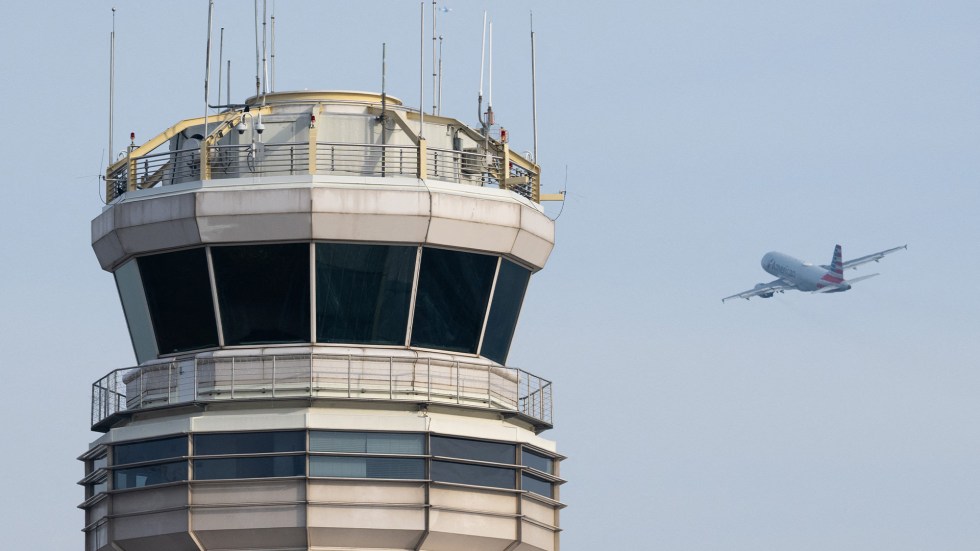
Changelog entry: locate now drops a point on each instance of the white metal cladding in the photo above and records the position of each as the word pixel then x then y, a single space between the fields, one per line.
pixel 292 208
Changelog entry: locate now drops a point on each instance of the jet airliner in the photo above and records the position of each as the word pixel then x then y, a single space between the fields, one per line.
pixel 804 276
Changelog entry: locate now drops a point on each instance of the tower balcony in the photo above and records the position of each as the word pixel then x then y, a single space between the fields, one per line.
pixel 327 133
pixel 364 376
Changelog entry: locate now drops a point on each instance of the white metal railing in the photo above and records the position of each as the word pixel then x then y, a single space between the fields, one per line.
pixel 327 376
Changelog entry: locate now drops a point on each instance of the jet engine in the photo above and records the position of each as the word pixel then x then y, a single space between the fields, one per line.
pixel 764 295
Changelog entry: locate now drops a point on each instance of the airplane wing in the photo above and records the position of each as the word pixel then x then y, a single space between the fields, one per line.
pixel 871 257
pixel 777 286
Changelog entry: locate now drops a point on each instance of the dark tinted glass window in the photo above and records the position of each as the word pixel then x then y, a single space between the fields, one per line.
pixel 367 467
pixel 133 299
pixel 477 475
pixel 454 288
pixel 363 292
pixel 472 449
pixel 150 450
pixel 249 442
pixel 263 292
pixel 537 485
pixel 178 293
pixel 249 467
pixel 148 475
pixel 537 461
pixel 367 442
pixel 508 295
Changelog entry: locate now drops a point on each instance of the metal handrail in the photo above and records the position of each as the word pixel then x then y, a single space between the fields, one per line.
pixel 274 159
pixel 326 376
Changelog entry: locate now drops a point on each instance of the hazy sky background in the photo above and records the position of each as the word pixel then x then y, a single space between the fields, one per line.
pixel 697 136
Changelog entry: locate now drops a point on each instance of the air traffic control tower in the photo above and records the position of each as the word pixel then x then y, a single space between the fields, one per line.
pixel 321 291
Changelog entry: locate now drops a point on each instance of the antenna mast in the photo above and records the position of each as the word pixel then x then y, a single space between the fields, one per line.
pixel 228 91
pixel 207 70
pixel 490 79
pixel 221 58
pixel 421 66
pixel 258 84
pixel 439 103
pixel 112 80
pixel 483 57
pixel 534 97
pixel 272 83
pixel 265 61
pixel 434 75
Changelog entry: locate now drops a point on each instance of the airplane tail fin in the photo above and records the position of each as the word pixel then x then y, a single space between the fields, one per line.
pixel 837 264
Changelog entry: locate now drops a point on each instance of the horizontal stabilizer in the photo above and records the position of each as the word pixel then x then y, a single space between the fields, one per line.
pixel 862 278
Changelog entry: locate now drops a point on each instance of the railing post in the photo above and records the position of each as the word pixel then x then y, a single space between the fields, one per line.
pixel 489 398
pixel 391 379
pixel 142 386
pixel 428 379
pixel 422 169
pixel 131 172
pixel 196 395
pixel 311 374
pixel 311 161
pixel 232 377
pixel 170 381
pixel 206 159
pixel 348 374
pixel 273 376
pixel 458 391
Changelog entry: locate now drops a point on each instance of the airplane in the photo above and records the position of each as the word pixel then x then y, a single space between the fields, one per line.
pixel 804 276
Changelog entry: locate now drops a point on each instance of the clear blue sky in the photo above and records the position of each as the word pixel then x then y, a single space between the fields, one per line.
pixel 697 136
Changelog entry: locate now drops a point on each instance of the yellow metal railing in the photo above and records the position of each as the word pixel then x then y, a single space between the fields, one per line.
pixel 491 164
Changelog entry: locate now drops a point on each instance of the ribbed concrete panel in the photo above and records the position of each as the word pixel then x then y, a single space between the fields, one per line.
pixel 472 223
pixel 250 526
pixel 364 525
pixel 354 539
pixel 151 531
pixel 536 538
pixel 380 491
pixel 254 215
pixel 456 531
pixel 248 491
pixel 541 512
pixel 149 499
pixel 165 542
pixel 365 214
pixel 473 499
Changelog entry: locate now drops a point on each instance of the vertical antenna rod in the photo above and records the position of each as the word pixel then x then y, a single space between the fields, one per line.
pixel 112 80
pixel 258 83
pixel 434 76
pixel 207 70
pixel 265 61
pixel 221 58
pixel 272 82
pixel 483 57
pixel 228 90
pixel 534 97
pixel 490 78
pixel 439 103
pixel 384 94
pixel 421 66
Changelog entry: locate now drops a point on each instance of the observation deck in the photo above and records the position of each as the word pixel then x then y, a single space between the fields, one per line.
pixel 198 381
pixel 335 133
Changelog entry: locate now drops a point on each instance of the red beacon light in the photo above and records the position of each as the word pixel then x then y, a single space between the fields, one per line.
pixel 312 121
pixel 503 135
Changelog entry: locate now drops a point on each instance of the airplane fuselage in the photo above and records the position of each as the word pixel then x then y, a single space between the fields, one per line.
pixel 804 275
